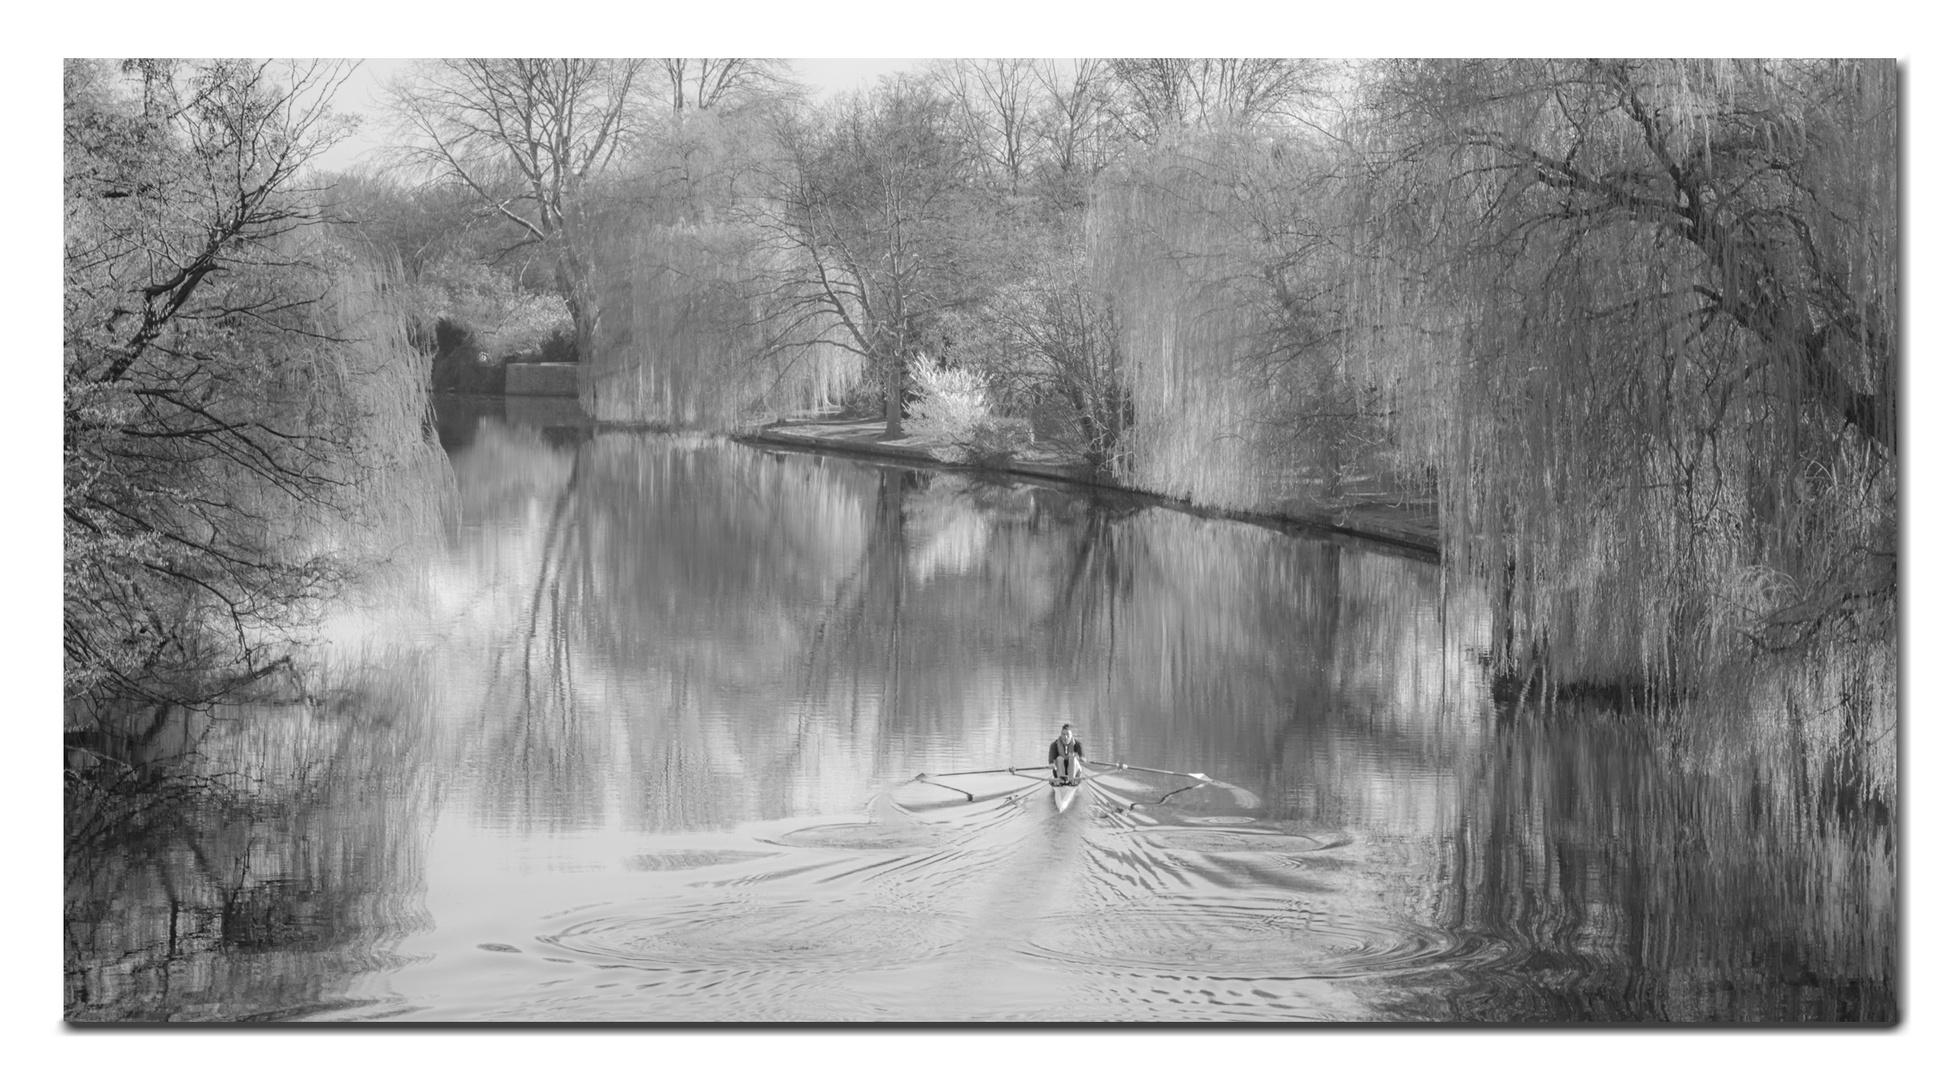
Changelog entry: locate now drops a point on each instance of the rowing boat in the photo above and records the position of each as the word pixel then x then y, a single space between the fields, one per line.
pixel 1064 793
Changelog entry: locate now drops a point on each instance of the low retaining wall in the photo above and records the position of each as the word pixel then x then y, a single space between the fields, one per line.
pixel 541 380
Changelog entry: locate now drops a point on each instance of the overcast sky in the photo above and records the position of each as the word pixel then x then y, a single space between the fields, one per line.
pixel 360 95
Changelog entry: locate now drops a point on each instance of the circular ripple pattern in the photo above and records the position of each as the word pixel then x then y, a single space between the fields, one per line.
pixel 1230 840
pixel 688 860
pixel 872 836
pixel 803 936
pixel 1257 937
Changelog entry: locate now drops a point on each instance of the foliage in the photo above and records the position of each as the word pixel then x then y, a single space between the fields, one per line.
pixel 1650 343
pixel 1228 294
pixel 690 337
pixel 954 416
pixel 243 417
pixel 1051 340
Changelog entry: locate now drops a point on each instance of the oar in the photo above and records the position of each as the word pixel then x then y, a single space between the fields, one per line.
pixel 1201 779
pixel 1198 776
pixel 926 778
pixel 968 795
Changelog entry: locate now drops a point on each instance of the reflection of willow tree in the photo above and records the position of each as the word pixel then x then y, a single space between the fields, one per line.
pixel 713 634
pixel 277 877
pixel 671 579
pixel 1629 891
pixel 1175 638
pixel 547 755
pixel 719 614
pixel 1100 577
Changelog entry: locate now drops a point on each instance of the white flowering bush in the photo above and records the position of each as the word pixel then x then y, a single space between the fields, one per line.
pixel 954 415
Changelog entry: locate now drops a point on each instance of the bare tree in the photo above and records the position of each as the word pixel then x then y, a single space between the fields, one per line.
pixel 529 138
pixel 706 82
pixel 873 214
pixel 997 100
pixel 1070 125
pixel 1154 96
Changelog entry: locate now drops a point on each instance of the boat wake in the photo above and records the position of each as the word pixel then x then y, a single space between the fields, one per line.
pixel 1121 906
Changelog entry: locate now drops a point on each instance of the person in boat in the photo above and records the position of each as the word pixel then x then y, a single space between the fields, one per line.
pixel 1065 757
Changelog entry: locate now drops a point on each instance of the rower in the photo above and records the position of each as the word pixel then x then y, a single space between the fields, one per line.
pixel 1065 757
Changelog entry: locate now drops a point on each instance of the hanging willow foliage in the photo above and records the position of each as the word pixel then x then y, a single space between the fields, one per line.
pixel 688 336
pixel 1218 257
pixel 1642 316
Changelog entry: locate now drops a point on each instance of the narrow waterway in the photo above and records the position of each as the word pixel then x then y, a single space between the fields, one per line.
pixel 643 742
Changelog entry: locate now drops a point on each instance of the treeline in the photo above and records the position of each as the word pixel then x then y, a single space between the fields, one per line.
pixel 244 420
pixel 1630 328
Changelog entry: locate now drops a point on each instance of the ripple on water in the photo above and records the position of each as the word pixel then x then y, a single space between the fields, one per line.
pixel 866 836
pixel 1259 937
pixel 689 860
pixel 828 936
pixel 1229 840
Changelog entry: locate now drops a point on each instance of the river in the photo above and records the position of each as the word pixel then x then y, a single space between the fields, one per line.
pixel 642 740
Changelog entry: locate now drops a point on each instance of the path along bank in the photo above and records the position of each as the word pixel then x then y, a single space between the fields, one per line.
pixel 1411 528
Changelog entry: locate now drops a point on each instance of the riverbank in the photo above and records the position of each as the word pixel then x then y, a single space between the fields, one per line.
pixel 1410 526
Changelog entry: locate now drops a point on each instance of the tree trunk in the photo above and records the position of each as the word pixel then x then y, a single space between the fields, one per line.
pixel 574 285
pixel 894 399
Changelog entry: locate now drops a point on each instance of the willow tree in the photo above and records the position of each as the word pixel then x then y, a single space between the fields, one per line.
pixel 528 138
pixel 1644 320
pixel 1219 257
pixel 692 332
pixel 242 413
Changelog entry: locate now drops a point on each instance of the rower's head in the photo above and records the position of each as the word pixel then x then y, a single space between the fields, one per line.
pixel 1067 733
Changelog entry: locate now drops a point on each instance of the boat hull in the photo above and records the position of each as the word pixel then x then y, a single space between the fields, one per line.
pixel 1064 795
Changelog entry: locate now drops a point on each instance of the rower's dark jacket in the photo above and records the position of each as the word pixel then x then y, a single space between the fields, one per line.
pixel 1056 749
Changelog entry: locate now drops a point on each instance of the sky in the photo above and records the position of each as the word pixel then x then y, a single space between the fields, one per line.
pixel 360 95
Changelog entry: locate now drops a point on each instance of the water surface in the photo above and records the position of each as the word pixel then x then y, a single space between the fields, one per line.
pixel 642 741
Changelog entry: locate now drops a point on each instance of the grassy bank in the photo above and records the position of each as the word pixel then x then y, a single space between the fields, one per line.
pixel 1411 526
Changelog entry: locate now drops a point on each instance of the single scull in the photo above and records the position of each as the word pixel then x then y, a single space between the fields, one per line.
pixel 1064 793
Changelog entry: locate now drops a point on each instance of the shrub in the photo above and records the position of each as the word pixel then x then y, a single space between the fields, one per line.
pixel 451 335
pixel 955 418
pixel 560 345
pixel 461 363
